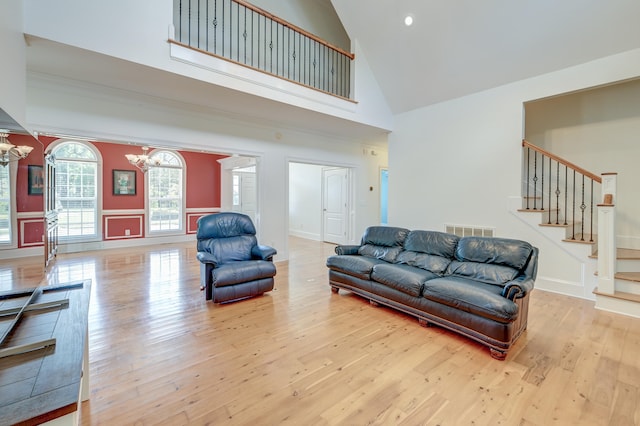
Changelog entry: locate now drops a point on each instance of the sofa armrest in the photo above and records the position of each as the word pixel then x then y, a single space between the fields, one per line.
pixel 345 249
pixel 205 257
pixel 263 252
pixel 518 288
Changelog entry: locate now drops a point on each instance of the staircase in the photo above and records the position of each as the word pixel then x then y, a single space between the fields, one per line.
pixel 625 297
pixel 560 199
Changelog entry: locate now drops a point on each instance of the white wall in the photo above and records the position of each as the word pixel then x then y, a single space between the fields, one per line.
pixel 315 16
pixel 305 200
pixel 81 109
pixel 138 32
pixel 12 52
pixel 597 130
pixel 460 162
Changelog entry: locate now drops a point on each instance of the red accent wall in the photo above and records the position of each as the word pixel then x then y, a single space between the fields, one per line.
pixel 24 201
pixel 202 188
pixel 113 159
pixel 203 179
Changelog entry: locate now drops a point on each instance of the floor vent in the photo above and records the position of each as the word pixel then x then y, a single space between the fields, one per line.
pixel 468 231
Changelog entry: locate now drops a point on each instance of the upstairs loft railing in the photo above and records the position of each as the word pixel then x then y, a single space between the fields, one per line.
pixel 240 32
pixel 564 191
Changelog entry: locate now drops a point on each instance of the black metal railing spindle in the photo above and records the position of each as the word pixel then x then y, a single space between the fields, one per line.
pixel 566 192
pixel 536 172
pixel 535 180
pixel 591 221
pixel 542 184
pixel 583 207
pixel 246 34
pixel 573 216
pixel 528 173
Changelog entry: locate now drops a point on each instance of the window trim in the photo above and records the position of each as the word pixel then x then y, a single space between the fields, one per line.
pixel 99 190
pixel 13 207
pixel 147 212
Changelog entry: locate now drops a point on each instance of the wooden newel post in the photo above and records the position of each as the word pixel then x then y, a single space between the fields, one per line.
pixel 607 235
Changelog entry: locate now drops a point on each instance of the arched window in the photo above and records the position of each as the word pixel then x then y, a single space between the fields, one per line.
pixel 76 191
pixel 165 193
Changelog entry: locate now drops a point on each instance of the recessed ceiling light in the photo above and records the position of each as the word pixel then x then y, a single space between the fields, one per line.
pixel 408 20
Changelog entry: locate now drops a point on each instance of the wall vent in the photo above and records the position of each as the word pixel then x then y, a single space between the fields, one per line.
pixel 469 230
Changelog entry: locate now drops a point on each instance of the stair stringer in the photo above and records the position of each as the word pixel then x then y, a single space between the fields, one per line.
pixel 587 281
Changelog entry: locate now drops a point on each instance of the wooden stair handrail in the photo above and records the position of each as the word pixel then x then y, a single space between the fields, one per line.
pixel 293 27
pixel 562 161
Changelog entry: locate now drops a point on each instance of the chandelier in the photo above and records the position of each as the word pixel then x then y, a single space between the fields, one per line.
pixel 143 161
pixel 10 152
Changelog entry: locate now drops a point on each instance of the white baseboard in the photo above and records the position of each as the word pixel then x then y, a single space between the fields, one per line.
pixel 573 289
pixel 303 234
pixel 133 242
pixel 22 252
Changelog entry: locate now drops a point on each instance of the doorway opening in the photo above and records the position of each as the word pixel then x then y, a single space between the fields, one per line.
pixel 239 186
pixel 384 196
pixel 320 202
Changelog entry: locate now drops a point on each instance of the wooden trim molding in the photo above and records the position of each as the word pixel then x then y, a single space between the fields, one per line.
pixel 107 236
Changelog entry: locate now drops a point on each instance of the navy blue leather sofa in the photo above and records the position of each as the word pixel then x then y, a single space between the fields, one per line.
pixel 476 286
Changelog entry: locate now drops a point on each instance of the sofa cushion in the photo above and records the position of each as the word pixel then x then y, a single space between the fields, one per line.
pixel 496 251
pixel 471 296
pixel 239 272
pixel 386 236
pixel 429 250
pixel 432 242
pixel 435 264
pixel 403 278
pixel 355 265
pixel 383 242
pixel 484 272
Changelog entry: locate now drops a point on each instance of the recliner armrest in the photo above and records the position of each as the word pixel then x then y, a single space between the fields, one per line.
pixel 263 252
pixel 518 288
pixel 346 249
pixel 205 257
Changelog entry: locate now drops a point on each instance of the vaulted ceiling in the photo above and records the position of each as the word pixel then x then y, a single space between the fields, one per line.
pixel 459 47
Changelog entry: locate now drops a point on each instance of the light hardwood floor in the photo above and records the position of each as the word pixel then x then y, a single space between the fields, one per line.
pixel 301 355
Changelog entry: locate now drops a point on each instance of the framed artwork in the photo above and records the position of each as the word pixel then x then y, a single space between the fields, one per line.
pixel 124 182
pixel 36 180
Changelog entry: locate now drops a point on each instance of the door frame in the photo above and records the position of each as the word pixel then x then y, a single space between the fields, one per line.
pixel 323 195
pixel 351 175
pixel 227 165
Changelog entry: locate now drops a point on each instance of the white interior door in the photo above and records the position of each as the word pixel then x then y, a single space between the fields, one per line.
pixel 245 193
pixel 334 205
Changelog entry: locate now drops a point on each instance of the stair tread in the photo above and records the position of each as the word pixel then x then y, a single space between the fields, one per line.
pixel 623 253
pixel 628 276
pixel 536 210
pixel 557 225
pixel 582 240
pixel 619 295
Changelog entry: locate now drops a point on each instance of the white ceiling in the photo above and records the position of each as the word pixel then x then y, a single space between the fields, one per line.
pixel 458 47
pixel 454 48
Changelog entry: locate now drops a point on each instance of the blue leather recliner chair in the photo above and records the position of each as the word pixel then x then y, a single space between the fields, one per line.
pixel 232 264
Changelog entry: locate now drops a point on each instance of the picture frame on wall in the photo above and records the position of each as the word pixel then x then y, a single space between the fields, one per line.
pixel 36 180
pixel 124 182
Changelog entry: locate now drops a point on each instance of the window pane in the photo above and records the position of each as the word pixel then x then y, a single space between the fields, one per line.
pixel 74 150
pixel 5 206
pixel 165 193
pixel 76 191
